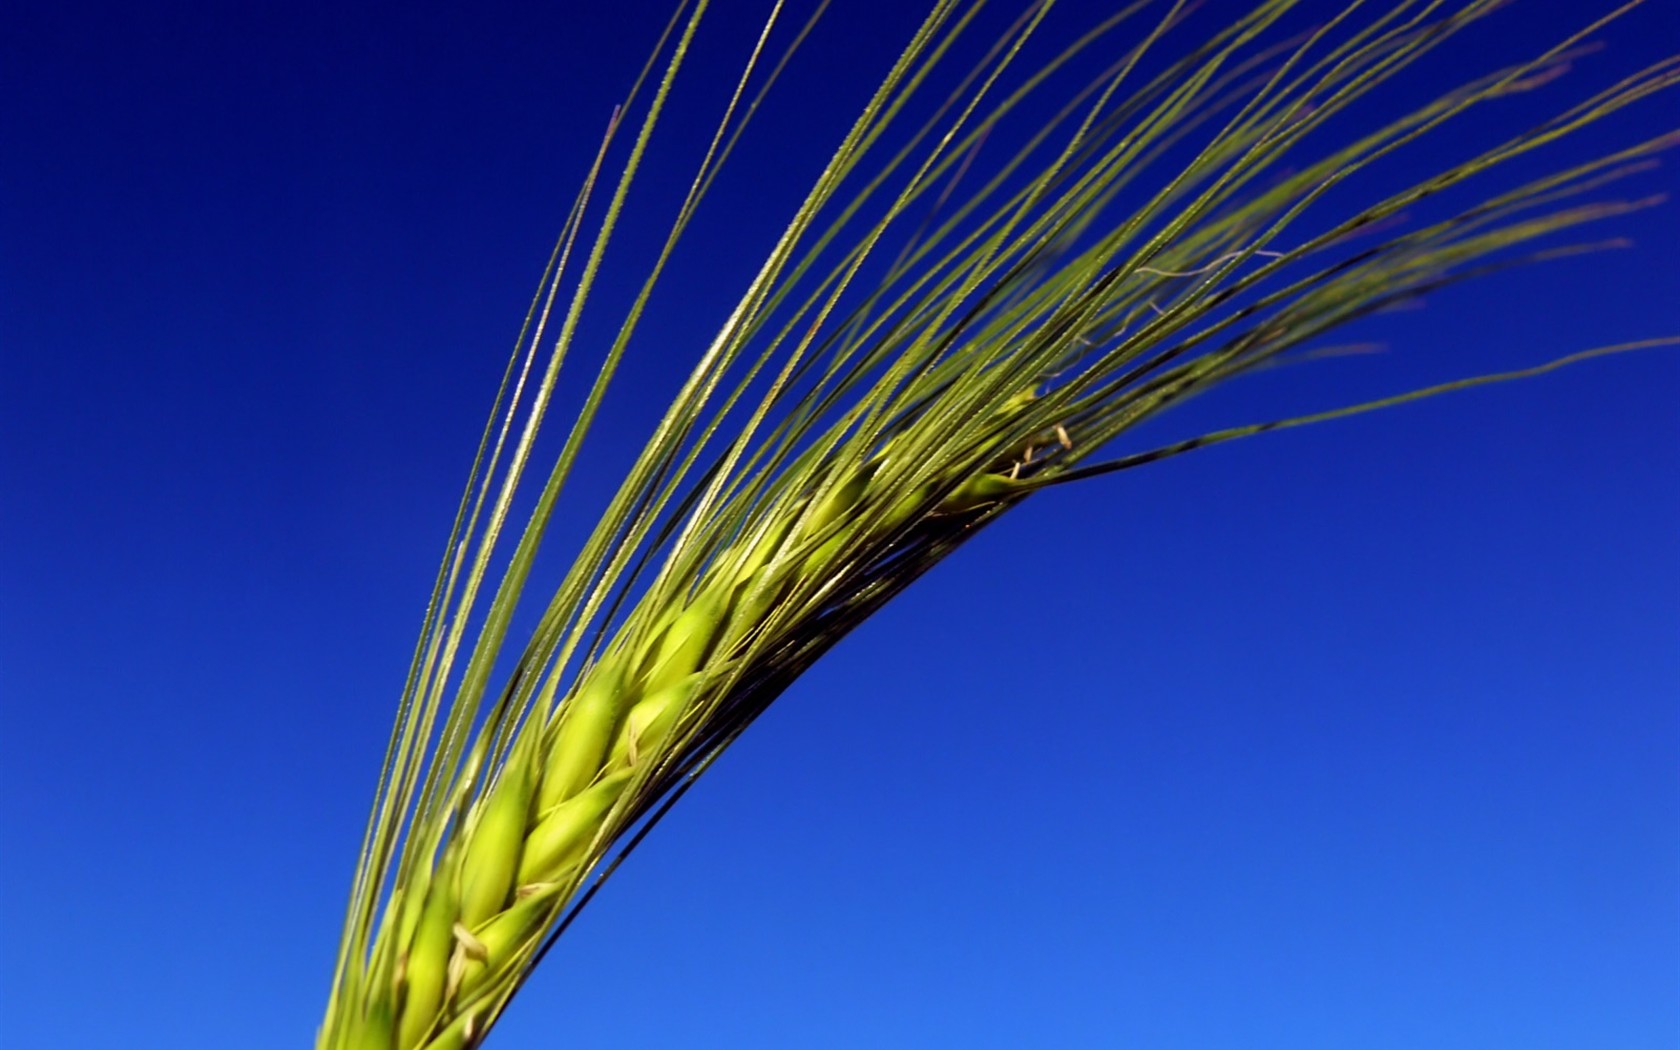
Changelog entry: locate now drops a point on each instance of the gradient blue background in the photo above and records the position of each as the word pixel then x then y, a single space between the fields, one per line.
pixel 1363 736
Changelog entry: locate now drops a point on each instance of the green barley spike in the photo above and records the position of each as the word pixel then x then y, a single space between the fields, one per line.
pixel 1131 246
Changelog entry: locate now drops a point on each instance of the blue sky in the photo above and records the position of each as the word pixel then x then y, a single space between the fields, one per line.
pixel 1363 735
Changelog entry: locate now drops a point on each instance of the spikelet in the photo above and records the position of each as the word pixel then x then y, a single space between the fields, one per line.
pixel 586 729
pixel 374 1029
pixel 686 642
pixel 497 839
pixel 770 540
pixel 838 502
pixel 425 964
pixel 650 721
pixel 559 840
pixel 755 589
pixel 458 1035
pixel 981 490
pixel 496 940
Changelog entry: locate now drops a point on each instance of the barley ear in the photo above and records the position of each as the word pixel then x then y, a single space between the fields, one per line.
pixel 1031 322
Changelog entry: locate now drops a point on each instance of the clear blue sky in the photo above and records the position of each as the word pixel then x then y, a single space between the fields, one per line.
pixel 1364 736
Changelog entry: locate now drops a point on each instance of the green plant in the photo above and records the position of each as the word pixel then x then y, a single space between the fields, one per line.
pixel 858 419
